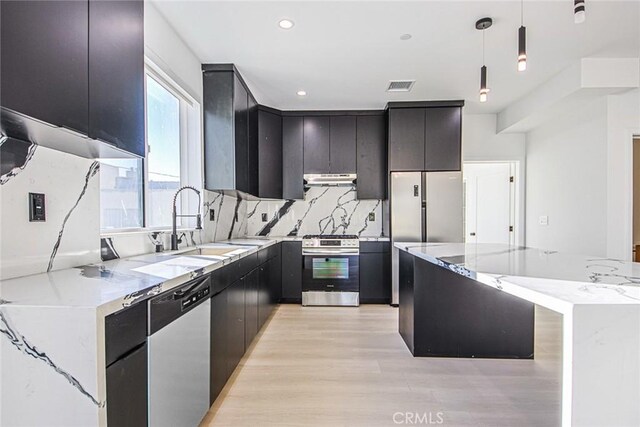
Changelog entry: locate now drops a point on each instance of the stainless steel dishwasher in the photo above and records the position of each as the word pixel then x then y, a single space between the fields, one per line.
pixel 179 336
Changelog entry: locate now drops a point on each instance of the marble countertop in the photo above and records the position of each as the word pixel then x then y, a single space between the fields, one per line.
pixel 109 286
pixel 550 278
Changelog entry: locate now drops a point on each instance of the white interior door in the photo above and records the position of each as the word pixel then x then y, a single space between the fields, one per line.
pixel 489 203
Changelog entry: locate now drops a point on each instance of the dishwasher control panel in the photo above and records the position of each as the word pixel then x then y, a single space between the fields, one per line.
pixel 194 298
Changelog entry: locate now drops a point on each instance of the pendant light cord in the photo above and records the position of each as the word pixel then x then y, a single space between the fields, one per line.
pixel 483 47
pixel 521 12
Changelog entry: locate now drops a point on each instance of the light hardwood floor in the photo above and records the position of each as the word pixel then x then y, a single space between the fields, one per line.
pixel 340 366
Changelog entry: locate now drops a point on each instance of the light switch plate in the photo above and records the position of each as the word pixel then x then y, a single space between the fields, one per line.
pixel 543 220
pixel 212 214
pixel 372 216
pixel 264 217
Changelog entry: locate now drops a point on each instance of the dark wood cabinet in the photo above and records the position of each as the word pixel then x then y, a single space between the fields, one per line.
pixel 316 144
pixel 77 65
pixel 251 302
pixel 45 58
pixel 371 159
pixel 241 135
pixel 443 139
pixel 406 325
pixel 264 303
pixel 219 365
pixel 126 366
pixel 291 272
pixel 342 144
pixel 116 73
pixel 235 324
pixel 255 154
pixel 270 167
pixel 375 273
pixel 425 138
pixel 406 139
pixel 292 157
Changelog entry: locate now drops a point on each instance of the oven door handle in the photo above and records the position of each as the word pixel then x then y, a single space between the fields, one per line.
pixel 335 252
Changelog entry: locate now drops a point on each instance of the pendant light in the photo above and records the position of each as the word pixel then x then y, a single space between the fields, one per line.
pixel 482 25
pixel 522 41
pixel 579 14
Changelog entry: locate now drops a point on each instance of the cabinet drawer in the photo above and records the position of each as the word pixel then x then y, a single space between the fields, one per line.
pixel 274 250
pixel 248 263
pixel 263 256
pixel 375 247
pixel 223 277
pixel 125 330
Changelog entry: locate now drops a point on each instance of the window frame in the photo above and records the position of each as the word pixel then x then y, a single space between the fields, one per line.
pixel 189 109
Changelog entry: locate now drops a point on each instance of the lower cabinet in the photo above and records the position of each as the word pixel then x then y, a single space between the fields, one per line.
pixel 127 389
pixel 291 272
pixel 219 366
pixel 375 273
pixel 251 300
pixel 235 324
pixel 264 293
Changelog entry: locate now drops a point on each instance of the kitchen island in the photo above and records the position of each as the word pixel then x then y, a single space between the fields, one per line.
pixel 598 298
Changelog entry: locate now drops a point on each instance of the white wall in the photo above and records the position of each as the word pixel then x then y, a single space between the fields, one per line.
pixel 165 47
pixel 480 143
pixel 567 181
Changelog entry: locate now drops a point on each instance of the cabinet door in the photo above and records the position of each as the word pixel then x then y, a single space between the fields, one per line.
pixel 235 325
pixel 116 73
pixel 406 139
pixel 127 389
pixel 251 300
pixel 375 278
pixel 254 150
pixel 405 299
pixel 292 271
pixel 241 127
pixel 371 161
pixel 316 144
pixel 443 139
pixel 292 158
pixel 219 365
pixel 45 58
pixel 343 144
pixel 275 280
pixel 264 303
pixel 270 155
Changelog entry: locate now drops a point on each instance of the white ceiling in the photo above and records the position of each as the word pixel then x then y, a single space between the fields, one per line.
pixel 344 53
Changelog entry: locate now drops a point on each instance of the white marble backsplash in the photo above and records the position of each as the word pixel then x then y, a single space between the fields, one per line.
pixel 324 210
pixel 70 236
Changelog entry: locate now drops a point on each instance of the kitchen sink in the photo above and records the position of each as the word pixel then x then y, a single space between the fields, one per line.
pixel 209 251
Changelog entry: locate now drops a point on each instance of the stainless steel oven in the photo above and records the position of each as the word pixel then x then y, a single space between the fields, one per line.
pixel 330 273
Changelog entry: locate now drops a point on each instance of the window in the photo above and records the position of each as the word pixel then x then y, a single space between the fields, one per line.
pixel 137 193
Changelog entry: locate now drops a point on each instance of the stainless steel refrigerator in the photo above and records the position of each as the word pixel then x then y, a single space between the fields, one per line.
pixel 425 207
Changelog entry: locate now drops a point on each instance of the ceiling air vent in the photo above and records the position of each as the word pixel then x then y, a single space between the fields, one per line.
pixel 400 85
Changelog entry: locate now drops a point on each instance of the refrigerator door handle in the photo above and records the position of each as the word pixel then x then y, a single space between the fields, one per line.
pixel 424 221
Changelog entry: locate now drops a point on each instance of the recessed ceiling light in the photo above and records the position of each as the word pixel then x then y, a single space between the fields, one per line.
pixel 405 37
pixel 286 24
pixel 302 93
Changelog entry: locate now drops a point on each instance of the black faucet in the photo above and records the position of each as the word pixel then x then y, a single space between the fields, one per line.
pixel 174 234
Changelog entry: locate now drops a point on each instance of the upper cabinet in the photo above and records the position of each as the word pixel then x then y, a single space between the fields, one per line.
pixel 76 82
pixel 371 158
pixel 425 136
pixel 292 157
pixel 329 144
pixel 342 144
pixel 316 144
pixel 242 144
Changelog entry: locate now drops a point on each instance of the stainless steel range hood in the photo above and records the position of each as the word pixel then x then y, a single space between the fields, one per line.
pixel 330 180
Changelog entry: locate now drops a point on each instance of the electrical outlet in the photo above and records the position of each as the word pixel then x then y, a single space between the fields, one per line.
pixel 37 207
pixel 212 214
pixel 264 217
pixel 543 220
pixel 372 216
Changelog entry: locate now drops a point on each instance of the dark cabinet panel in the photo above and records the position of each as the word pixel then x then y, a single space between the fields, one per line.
pixel 219 145
pixel 375 275
pixel 127 390
pixel 219 365
pixel 253 147
pixel 124 330
pixel 342 149
pixel 406 139
pixel 251 300
pixel 316 144
pixel 406 299
pixel 275 271
pixel 291 271
pixel 371 160
pixel 443 139
pixel 264 291
pixel 241 127
pixel 116 73
pixel 235 324
pixel 45 58
pixel 270 168
pixel 292 157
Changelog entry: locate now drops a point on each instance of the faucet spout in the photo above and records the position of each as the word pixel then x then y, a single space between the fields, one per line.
pixel 175 240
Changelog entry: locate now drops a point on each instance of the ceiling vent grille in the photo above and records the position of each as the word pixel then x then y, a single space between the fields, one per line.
pixel 400 85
